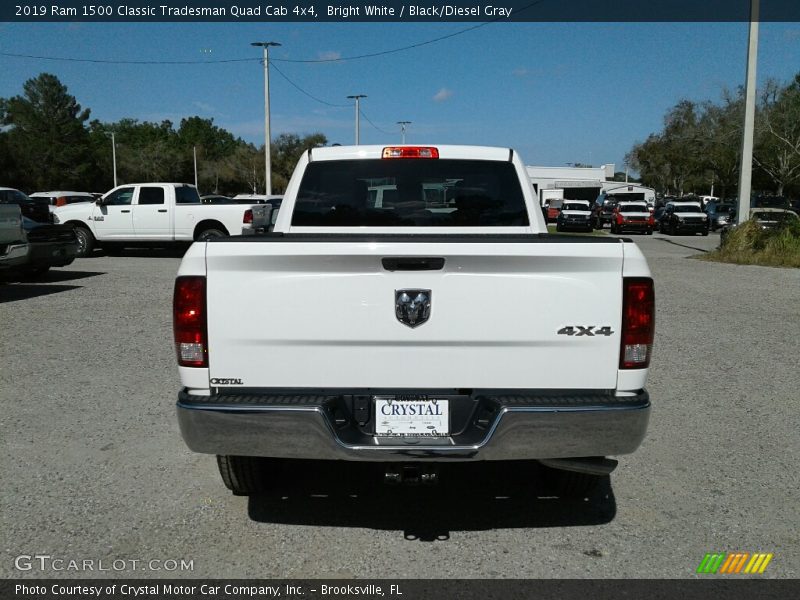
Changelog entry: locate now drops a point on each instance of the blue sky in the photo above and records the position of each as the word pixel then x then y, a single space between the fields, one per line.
pixel 557 92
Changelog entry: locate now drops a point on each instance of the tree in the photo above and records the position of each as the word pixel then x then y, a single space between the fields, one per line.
pixel 47 136
pixel 286 151
pixel 212 144
pixel 777 146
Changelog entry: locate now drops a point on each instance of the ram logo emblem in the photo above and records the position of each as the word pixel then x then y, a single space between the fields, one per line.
pixel 412 307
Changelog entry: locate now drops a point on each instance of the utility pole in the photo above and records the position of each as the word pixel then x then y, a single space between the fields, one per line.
pixel 194 151
pixel 746 168
pixel 403 125
pixel 267 136
pixel 114 156
pixel 357 97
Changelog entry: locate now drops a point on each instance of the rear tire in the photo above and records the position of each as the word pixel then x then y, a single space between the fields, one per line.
pixel 207 234
pixel 649 232
pixel 558 227
pixel 86 241
pixel 570 484
pixel 243 475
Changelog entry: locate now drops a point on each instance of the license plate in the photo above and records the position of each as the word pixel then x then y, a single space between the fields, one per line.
pixel 402 416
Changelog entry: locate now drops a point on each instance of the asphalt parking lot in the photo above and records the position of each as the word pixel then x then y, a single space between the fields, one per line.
pixel 94 467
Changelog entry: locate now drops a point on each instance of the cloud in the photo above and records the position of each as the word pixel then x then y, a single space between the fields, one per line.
pixel 442 95
pixel 203 106
pixel 329 55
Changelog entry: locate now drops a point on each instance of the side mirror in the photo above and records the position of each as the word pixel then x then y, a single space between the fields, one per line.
pixel 99 202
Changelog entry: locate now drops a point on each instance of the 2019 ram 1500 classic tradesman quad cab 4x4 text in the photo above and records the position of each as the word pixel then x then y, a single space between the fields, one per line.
pixel 155 214
pixel 443 325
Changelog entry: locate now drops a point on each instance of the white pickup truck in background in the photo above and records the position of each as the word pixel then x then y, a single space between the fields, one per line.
pixel 155 214
pixel 441 323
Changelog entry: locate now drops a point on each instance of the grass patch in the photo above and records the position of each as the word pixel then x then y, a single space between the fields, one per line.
pixel 748 244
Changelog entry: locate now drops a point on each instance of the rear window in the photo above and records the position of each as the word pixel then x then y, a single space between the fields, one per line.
pixel 410 193
pixel 687 208
pixel 185 194
pixel 13 197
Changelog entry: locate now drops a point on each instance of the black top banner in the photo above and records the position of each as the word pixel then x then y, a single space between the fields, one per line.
pixel 400 10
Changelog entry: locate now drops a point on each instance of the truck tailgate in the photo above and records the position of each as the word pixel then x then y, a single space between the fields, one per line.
pixel 322 314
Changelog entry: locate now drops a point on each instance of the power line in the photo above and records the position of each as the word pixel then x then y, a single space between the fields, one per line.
pixel 410 46
pixel 288 60
pixel 302 91
pixel 366 118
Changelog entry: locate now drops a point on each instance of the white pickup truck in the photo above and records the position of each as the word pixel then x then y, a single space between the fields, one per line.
pixel 156 213
pixel 444 325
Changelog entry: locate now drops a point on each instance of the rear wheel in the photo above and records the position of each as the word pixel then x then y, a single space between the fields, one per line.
pixel 85 241
pixel 672 229
pixel 649 231
pixel 243 475
pixel 207 234
pixel 705 232
pixel 558 227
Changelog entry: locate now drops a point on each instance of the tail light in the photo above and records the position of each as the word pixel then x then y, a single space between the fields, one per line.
pixel 248 216
pixel 410 152
pixel 189 321
pixel 61 201
pixel 651 220
pixel 638 322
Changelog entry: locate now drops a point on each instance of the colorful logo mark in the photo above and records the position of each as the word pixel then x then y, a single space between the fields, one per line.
pixel 732 563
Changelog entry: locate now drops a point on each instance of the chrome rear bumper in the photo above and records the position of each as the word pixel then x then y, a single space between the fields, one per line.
pixel 494 425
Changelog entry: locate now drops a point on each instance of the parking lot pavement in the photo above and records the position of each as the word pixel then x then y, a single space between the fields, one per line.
pixel 94 467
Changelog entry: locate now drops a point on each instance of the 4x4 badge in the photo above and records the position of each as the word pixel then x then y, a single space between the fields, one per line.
pixel 412 307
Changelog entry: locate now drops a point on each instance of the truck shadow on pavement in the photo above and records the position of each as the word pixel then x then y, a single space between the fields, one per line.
pixel 469 497
pixel 674 243
pixel 13 288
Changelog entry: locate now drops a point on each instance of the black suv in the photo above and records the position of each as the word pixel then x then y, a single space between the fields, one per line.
pixel 683 218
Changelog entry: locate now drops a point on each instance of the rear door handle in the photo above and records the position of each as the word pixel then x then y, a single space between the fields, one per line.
pixel 127 211
pixel 413 263
pixel 162 210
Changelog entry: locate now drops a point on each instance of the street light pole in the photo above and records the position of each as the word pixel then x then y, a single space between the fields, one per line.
pixel 403 125
pixel 357 97
pixel 746 168
pixel 114 156
pixel 194 151
pixel 267 136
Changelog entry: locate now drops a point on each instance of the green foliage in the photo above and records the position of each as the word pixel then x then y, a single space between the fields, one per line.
pixel 749 244
pixel 49 145
pixel 46 137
